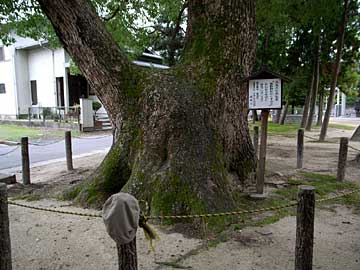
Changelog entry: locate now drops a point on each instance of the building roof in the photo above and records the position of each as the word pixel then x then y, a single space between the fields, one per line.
pixel 149 64
pixel 265 73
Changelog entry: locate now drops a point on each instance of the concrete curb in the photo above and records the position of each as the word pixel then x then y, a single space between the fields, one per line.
pixel 10 143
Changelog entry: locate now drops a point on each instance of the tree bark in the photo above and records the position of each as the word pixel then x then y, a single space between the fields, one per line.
pixel 127 256
pixel 181 138
pixel 321 106
pixel 5 242
pixel 307 102
pixel 314 90
pixel 277 116
pixel 255 116
pixel 340 44
pixel 305 228
pixel 283 115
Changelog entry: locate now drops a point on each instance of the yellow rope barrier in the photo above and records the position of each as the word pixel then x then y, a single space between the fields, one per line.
pixel 232 213
pixel 53 210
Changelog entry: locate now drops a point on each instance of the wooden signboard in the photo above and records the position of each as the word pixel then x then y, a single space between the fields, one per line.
pixel 265 94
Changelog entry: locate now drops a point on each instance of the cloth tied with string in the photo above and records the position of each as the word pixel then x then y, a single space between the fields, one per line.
pixel 121 213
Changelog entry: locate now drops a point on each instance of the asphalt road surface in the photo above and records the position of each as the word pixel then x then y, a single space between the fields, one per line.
pixel 51 151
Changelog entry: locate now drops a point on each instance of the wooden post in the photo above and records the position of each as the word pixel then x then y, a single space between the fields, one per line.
pixel 300 148
pixel 5 243
pixel 127 256
pixel 29 116
pixel 305 228
pixel 44 115
pixel 25 160
pixel 344 143
pixel 255 116
pixel 262 154
pixel 256 139
pixel 68 149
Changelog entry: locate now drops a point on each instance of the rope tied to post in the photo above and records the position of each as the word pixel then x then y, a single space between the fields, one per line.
pixel 233 213
pixel 11 151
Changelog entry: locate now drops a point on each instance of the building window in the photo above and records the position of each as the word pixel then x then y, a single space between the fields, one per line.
pixel 2 55
pixel 2 88
pixel 34 100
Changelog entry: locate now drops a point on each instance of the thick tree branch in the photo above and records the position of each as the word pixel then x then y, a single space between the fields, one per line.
pixel 84 36
pixel 178 21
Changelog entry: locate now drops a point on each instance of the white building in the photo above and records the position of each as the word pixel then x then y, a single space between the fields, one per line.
pixel 34 75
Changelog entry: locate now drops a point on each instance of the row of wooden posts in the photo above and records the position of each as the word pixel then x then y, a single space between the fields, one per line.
pixel 344 142
pixel 304 219
pixel 25 160
pixel 343 152
pixel 127 252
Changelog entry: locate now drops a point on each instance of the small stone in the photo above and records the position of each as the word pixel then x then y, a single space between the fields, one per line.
pixel 258 196
pixel 263 232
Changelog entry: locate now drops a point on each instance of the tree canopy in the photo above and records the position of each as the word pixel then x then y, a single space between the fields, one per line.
pixel 286 32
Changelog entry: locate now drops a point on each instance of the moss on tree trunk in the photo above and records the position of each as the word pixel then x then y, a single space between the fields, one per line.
pixel 181 136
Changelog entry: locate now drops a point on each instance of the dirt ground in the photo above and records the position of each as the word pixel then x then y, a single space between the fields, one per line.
pixel 48 241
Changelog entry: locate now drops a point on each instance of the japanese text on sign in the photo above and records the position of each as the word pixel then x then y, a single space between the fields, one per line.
pixel 265 94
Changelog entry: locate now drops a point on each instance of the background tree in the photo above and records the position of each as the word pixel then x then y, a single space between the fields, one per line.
pixel 336 70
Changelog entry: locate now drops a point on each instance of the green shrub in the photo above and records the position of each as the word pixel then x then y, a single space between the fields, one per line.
pixel 96 105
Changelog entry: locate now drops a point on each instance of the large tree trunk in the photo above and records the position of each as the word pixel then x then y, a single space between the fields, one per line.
pixel 307 101
pixel 315 87
pixel 340 44
pixel 277 116
pixel 181 139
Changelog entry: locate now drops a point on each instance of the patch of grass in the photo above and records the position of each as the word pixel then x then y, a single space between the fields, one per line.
pixel 277 129
pixel 28 197
pixel 70 194
pixel 291 129
pixel 14 133
pixel 325 185
pixel 339 126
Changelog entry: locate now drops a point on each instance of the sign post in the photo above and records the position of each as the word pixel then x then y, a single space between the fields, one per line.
pixel 265 93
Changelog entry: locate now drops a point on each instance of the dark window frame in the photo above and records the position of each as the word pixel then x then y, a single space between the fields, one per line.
pixel 33 89
pixel 2 88
pixel 2 54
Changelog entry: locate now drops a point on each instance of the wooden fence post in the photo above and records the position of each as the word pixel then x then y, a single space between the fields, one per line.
pixel 300 149
pixel 5 243
pixel 344 143
pixel 127 256
pixel 68 149
pixel 256 139
pixel 262 155
pixel 29 116
pixel 305 228
pixel 25 160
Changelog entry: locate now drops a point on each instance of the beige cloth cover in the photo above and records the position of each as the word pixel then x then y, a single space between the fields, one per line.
pixel 121 217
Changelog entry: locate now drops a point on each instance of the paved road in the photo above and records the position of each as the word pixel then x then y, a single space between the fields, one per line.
pixel 47 151
pixel 351 121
